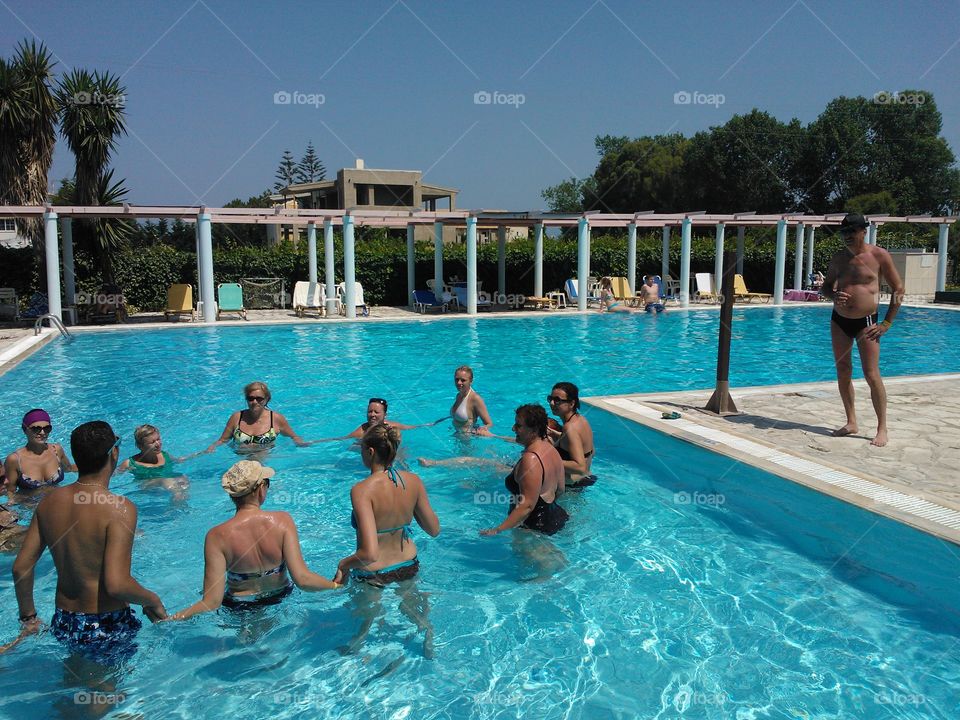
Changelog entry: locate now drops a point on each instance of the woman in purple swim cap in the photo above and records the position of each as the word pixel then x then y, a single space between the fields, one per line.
pixel 39 463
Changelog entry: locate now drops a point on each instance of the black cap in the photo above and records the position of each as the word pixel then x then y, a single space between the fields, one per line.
pixel 853 221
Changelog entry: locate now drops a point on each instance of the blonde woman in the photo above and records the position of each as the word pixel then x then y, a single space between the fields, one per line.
pixel 256 428
pixel 468 407
pixel 153 466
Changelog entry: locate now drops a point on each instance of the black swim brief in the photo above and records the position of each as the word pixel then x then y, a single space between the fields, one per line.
pixel 585 481
pixel 852 326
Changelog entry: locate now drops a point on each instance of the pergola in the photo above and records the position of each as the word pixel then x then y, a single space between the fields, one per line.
pixel 349 219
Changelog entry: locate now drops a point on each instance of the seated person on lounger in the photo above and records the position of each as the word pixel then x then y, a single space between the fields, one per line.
pixel 650 294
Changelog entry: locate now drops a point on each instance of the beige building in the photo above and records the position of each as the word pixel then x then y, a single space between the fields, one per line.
pixel 361 188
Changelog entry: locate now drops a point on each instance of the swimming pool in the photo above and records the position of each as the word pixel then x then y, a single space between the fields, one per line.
pixel 686 585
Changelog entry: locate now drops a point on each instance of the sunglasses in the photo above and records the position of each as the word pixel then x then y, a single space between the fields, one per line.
pixel 115 445
pixel 255 398
pixel 378 400
pixel 37 429
pixel 554 399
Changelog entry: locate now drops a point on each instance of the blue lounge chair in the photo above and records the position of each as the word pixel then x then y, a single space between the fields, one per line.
pixel 230 299
pixel 571 287
pixel 483 302
pixel 423 299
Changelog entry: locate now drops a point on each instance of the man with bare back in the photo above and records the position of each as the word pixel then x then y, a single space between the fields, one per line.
pixel 853 283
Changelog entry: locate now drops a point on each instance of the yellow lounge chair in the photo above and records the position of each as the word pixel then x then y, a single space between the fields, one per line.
pixel 621 290
pixel 179 302
pixel 740 291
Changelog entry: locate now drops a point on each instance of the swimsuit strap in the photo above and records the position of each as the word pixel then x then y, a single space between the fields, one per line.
pixel 395 477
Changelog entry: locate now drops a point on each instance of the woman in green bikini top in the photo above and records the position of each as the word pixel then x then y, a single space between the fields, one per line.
pixel 257 427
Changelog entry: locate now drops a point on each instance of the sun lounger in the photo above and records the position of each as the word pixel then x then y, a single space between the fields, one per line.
pixel 179 302
pixel 539 303
pixel 483 302
pixel 621 291
pixel 357 298
pixel 308 297
pixel 424 300
pixel 706 289
pixel 230 300
pixel 571 289
pixel 8 304
pixel 740 291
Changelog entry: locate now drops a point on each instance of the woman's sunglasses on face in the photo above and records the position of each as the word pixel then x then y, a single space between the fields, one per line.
pixel 558 400
pixel 255 398
pixel 37 429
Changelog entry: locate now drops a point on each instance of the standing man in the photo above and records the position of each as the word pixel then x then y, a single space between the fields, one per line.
pixel 89 531
pixel 853 283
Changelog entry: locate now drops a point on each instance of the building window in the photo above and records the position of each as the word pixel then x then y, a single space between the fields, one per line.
pixel 7 225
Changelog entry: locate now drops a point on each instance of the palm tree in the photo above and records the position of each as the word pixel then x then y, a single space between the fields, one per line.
pixel 93 119
pixel 28 119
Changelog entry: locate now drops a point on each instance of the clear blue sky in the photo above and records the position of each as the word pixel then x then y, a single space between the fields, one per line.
pixel 398 81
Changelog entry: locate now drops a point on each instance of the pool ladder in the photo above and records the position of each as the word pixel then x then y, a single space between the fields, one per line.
pixel 54 322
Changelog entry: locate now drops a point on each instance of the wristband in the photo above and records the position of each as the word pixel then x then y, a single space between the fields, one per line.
pixel 886 323
pixel 28 618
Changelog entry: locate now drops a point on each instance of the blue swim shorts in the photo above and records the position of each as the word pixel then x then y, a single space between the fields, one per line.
pixel 108 638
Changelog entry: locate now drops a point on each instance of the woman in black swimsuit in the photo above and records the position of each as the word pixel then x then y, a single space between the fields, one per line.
pixel 536 480
pixel 575 441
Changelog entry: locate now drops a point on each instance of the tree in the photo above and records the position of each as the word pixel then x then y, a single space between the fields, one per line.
pixel 286 173
pixel 746 164
pixel 28 119
pixel 310 169
pixel 644 174
pixel 607 144
pixel 566 196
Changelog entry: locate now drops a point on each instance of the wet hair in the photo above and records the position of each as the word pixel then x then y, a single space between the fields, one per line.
pixel 142 433
pixel 90 445
pixel 607 283
pixel 384 439
pixel 573 394
pixel 254 386
pixel 465 368
pixel 534 417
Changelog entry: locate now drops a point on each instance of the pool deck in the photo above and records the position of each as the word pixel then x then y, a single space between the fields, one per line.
pixel 786 430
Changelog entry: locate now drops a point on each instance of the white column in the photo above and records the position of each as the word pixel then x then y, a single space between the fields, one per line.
pixel 632 257
pixel 809 270
pixel 411 263
pixel 205 245
pixel 52 249
pixel 779 262
pixel 538 260
pixel 686 237
pixel 583 262
pixel 69 277
pixel 438 260
pixel 718 260
pixel 665 253
pixel 871 234
pixel 471 265
pixel 942 257
pixel 798 260
pixel 330 275
pixel 196 253
pixel 312 253
pixel 501 263
pixel 741 231
pixel 349 270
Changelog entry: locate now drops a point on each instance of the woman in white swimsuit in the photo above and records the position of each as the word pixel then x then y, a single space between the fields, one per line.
pixel 468 407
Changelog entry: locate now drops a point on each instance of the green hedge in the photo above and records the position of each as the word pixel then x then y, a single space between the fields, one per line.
pixel 144 273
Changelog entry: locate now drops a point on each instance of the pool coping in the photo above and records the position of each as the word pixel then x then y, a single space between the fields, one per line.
pixel 921 510
pixel 21 349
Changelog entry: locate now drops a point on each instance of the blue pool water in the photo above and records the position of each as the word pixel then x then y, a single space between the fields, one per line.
pixel 685 586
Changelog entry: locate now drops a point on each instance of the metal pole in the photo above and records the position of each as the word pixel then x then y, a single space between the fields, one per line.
pixel 538 260
pixel 720 402
pixel 741 231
